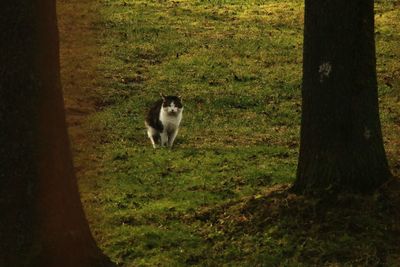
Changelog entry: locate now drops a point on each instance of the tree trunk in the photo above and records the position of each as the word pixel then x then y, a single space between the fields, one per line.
pixel 341 144
pixel 41 217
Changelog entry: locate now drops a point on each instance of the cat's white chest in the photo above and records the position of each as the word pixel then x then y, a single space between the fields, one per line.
pixel 170 122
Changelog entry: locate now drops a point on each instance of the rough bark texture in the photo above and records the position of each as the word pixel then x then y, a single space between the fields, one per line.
pixel 341 141
pixel 42 221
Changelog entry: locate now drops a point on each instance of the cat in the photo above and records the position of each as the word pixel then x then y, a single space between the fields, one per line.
pixel 163 120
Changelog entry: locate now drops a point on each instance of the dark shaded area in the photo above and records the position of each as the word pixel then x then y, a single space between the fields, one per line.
pixel 285 229
pixel 42 222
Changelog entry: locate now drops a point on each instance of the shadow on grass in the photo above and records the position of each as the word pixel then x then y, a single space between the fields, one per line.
pixel 283 229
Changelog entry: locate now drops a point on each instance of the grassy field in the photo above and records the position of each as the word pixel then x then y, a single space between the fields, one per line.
pixel 217 198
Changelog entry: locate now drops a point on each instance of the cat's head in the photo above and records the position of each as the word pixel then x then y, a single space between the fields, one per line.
pixel 172 105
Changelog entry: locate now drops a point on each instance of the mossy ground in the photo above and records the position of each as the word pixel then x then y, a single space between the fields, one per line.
pixel 219 197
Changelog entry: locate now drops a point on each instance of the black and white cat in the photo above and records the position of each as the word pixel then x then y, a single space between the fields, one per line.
pixel 163 120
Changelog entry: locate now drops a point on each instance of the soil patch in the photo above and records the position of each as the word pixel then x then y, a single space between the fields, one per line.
pixel 79 58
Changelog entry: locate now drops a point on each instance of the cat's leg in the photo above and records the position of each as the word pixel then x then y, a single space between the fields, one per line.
pixel 164 138
pixel 156 140
pixel 152 133
pixel 171 138
pixel 153 142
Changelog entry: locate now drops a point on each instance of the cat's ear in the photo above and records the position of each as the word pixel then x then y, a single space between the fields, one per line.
pixel 180 97
pixel 162 96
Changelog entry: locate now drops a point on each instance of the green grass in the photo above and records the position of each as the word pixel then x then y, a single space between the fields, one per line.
pixel 237 65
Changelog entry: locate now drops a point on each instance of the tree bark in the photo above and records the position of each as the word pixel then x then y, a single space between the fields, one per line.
pixel 42 222
pixel 341 143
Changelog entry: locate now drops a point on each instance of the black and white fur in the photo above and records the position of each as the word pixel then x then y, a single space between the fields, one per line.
pixel 163 120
